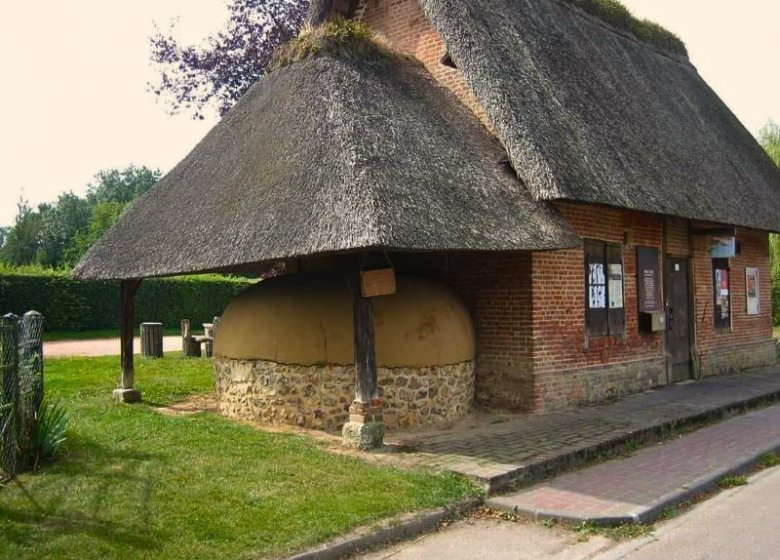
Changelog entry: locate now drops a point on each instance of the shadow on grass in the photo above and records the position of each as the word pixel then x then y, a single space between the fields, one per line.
pixel 92 491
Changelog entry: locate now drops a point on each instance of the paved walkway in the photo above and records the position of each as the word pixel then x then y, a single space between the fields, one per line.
pixel 639 487
pixel 100 347
pixel 501 454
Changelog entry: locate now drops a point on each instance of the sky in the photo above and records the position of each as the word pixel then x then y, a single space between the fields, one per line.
pixel 73 96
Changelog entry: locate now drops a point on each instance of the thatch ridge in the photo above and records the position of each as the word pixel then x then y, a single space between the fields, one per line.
pixel 330 155
pixel 592 115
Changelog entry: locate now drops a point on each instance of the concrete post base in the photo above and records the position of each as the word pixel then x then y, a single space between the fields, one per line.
pixel 127 396
pixel 365 429
pixel 363 436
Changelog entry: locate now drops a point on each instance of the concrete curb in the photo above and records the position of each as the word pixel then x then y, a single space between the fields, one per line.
pixel 652 511
pixel 396 529
pixel 608 448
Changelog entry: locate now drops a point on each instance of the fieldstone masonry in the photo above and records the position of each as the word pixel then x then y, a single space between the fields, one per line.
pixel 319 396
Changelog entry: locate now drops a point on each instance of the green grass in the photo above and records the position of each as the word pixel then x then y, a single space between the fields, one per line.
pixel 133 483
pixel 733 480
pixel 57 336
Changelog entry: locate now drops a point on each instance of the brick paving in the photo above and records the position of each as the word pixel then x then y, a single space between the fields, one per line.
pixel 498 455
pixel 637 488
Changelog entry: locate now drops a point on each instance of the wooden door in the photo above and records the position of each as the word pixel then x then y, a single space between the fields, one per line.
pixel 678 317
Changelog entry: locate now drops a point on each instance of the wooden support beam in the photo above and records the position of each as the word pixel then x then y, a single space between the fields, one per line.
pixel 365 429
pixel 366 385
pixel 127 391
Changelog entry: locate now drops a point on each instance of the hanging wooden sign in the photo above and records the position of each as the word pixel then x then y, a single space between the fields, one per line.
pixel 648 280
pixel 374 283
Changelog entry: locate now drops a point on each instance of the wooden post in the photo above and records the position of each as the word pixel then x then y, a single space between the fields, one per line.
pixel 365 429
pixel 127 392
pixel 9 395
pixel 152 340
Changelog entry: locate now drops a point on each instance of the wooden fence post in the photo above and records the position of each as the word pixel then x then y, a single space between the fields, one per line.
pixel 9 395
pixel 152 340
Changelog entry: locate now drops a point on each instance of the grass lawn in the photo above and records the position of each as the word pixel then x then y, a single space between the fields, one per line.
pixel 133 483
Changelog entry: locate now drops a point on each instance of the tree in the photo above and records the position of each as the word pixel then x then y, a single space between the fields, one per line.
pixel 23 240
pixel 194 78
pixel 104 215
pixel 60 223
pixel 769 136
pixel 122 185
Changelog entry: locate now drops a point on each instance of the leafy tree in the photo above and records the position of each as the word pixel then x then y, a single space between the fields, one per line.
pixel 193 78
pixel 104 215
pixel 122 185
pixel 3 233
pixel 770 139
pixel 23 240
pixel 60 223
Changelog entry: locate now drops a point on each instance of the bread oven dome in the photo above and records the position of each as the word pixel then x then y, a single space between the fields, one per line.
pixel 284 352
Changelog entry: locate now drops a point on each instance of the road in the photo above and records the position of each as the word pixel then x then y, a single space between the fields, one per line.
pixel 738 524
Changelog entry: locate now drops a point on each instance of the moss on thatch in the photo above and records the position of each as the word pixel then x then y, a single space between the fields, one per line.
pixel 338 36
pixel 615 13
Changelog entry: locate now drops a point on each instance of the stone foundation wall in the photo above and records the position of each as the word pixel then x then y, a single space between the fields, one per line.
pixel 319 396
pixel 736 359
pixel 559 390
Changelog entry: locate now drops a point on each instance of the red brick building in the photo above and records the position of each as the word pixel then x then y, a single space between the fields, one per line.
pixel 614 234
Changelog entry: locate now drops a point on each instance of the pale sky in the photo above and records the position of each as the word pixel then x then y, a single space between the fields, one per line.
pixel 73 96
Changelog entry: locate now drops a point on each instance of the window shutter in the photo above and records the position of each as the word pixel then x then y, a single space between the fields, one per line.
pixel 596 303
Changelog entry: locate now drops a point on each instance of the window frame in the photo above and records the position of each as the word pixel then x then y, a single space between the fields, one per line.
pixel 607 321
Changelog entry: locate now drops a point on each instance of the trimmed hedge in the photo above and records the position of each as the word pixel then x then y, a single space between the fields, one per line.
pixel 72 305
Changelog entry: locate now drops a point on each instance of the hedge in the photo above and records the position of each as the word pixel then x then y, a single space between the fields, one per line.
pixel 72 305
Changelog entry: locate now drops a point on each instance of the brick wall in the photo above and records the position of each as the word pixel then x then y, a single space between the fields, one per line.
pixel 749 340
pixel 403 25
pixel 566 362
pixel 497 290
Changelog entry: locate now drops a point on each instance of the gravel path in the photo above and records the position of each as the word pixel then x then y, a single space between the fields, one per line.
pixel 100 347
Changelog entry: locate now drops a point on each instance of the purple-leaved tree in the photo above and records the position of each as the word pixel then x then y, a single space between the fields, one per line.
pixel 195 78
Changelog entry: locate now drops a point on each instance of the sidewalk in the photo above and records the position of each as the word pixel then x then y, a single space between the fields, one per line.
pixel 499 455
pixel 100 347
pixel 640 487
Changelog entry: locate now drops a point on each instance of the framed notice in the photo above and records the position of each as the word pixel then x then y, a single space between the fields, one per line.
pixel 648 280
pixel 751 291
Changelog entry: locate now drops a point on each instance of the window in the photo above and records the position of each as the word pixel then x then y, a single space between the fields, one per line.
pixel 604 311
pixel 721 288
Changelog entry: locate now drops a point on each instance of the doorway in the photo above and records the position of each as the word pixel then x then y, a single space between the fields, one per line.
pixel 678 316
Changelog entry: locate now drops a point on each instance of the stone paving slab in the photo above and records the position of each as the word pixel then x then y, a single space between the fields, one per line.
pixel 502 454
pixel 639 487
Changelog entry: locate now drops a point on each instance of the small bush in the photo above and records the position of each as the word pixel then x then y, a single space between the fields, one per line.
pixel 339 36
pixel 769 460
pixel 49 428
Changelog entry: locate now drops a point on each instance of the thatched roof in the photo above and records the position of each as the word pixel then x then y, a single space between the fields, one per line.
pixel 330 155
pixel 589 113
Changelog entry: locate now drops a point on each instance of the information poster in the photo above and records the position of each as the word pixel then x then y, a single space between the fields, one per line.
pixel 722 292
pixel 648 280
pixel 615 286
pixel 751 291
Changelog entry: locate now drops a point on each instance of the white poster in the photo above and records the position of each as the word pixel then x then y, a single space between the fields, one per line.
pixel 616 286
pixel 751 291
pixel 597 297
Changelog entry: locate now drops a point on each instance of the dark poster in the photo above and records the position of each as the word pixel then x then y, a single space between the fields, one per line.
pixel 648 280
